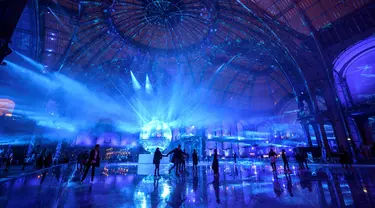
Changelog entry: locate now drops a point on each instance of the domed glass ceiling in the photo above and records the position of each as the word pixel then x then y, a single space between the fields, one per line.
pixel 239 50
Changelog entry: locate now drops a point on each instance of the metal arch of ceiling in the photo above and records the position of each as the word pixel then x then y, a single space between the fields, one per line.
pixel 95 37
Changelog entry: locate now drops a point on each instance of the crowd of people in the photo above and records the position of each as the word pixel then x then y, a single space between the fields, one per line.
pixel 43 158
pixel 179 160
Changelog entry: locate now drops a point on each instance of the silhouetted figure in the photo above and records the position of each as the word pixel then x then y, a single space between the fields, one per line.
pixel 299 161
pixel 273 156
pixel 285 160
pixel 94 161
pixel 84 159
pixel 183 161
pixel 215 164
pixel 25 161
pixel 178 155
pixel 235 158
pixel 195 160
pixel 157 157
pixel 9 158
pixel 345 159
pixel 48 160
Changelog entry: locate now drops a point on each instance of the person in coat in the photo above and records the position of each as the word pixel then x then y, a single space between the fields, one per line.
pixel 156 161
pixel 93 162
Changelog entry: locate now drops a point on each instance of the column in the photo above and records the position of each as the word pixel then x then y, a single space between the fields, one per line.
pixel 317 134
pixel 325 139
pixel 307 133
pixel 364 129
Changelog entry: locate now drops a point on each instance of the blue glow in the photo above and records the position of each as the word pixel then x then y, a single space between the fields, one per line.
pixel 136 85
pixel 155 134
pixel 149 89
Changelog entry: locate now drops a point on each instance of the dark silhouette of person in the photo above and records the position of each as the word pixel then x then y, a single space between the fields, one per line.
pixel 215 163
pixel 299 161
pixel 285 160
pixel 157 157
pixel 48 160
pixel 346 160
pixel 183 161
pixel 195 160
pixel 94 161
pixel 273 156
pixel 25 161
pixel 9 158
pixel 84 159
pixel 235 158
pixel 178 155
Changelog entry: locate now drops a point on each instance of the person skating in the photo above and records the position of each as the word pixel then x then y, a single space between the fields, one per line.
pixel 94 161
pixel 273 156
pixel 345 159
pixel 285 160
pixel 157 157
pixel 299 161
pixel 195 160
pixel 215 164
pixel 178 155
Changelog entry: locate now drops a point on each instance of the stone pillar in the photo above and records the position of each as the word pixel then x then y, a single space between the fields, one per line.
pixel 325 139
pixel 365 130
pixel 337 119
pixel 305 127
pixel 317 134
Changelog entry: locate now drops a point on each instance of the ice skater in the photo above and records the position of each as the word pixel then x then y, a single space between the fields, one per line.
pixel 285 160
pixel 299 161
pixel 195 160
pixel 157 157
pixel 215 164
pixel 178 155
pixel 94 161
pixel 273 157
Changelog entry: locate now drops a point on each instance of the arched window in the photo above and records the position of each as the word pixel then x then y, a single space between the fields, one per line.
pixel 355 73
